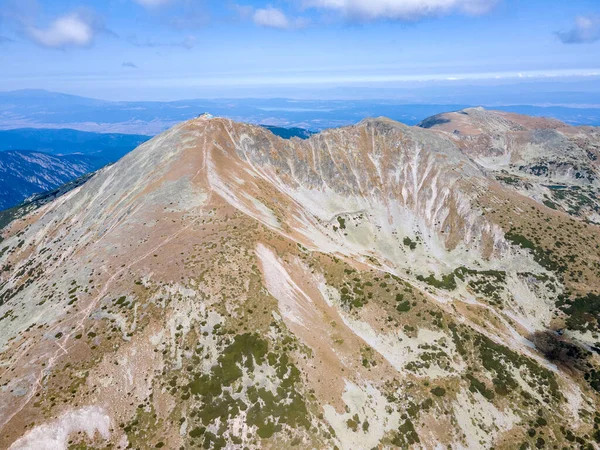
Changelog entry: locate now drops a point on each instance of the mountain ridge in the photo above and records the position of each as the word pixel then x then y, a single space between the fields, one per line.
pixel 90 151
pixel 24 173
pixel 368 286
pixel 534 156
pixel 153 117
pixel 63 155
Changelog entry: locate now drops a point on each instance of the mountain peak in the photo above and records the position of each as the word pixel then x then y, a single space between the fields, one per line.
pixel 205 116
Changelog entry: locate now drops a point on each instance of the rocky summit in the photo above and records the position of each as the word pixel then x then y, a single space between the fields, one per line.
pixel 375 286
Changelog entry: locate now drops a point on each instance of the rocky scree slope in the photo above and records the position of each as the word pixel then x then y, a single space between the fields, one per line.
pixel 370 287
pixel 545 159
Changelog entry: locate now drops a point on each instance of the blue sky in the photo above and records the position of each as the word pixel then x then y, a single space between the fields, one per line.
pixel 162 49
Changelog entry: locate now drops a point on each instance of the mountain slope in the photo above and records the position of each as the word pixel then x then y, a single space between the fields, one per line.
pixel 542 158
pixel 54 157
pixel 24 173
pixel 369 286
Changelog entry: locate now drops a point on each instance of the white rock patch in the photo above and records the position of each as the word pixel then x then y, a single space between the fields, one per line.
pixel 480 420
pixel 369 405
pixel 55 435
pixel 281 286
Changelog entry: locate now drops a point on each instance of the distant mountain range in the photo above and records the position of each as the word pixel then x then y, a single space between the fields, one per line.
pixel 39 160
pixel 23 173
pixel 38 200
pixel 103 147
pixel 43 109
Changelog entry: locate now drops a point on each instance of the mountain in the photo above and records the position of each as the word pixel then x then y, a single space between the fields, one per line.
pixel 39 160
pixel 373 286
pixel 105 147
pixel 70 154
pixel 42 109
pixel 24 173
pixel 39 97
pixel 541 158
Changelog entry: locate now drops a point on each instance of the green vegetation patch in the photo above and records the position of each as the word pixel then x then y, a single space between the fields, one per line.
pixel 574 199
pixel 438 391
pixel 497 358
pixel 406 436
pixel 513 181
pixel 543 257
pixel 144 426
pixel 448 282
pixel 408 242
pixel 402 305
pixel 489 284
pixel 459 336
pixel 583 313
pixel 478 386
pixel 245 350
pixel 593 379
pixel 266 410
pixel 550 204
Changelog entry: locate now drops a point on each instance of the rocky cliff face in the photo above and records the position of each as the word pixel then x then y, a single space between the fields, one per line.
pixel 376 286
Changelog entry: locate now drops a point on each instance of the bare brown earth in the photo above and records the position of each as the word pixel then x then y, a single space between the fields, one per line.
pixel 376 286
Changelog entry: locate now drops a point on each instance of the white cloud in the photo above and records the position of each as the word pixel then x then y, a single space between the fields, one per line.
pixel 585 30
pixel 71 30
pixel 271 18
pixel 366 10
